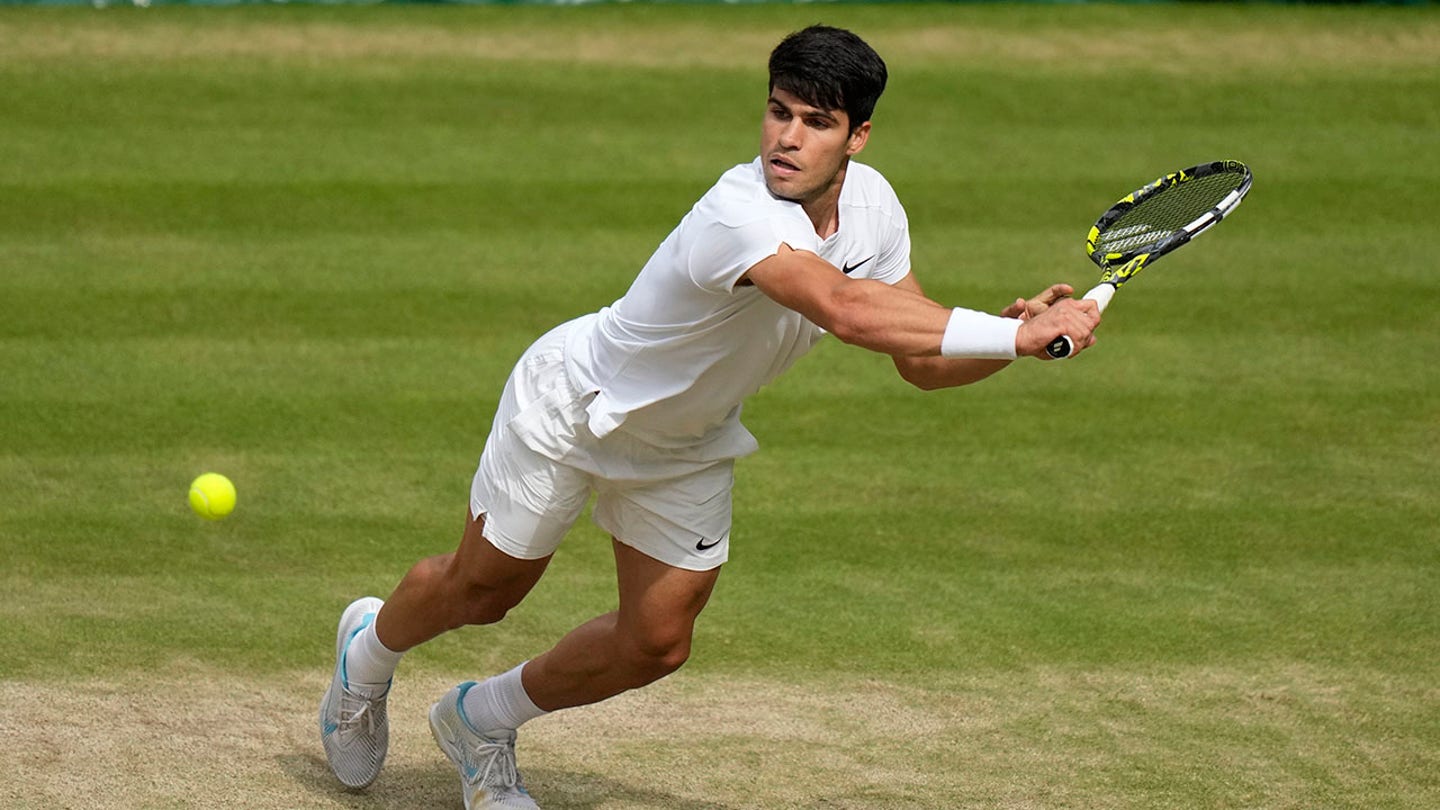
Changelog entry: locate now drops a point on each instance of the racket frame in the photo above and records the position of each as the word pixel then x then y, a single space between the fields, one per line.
pixel 1117 268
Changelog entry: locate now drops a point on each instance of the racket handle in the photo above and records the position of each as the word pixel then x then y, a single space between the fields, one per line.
pixel 1062 347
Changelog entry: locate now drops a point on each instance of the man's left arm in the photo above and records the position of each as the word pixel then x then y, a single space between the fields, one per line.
pixel 930 373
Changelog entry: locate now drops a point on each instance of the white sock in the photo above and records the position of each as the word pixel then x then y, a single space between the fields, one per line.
pixel 500 703
pixel 369 662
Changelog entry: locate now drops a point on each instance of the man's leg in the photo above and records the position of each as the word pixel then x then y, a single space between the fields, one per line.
pixel 662 588
pixel 645 640
pixel 475 584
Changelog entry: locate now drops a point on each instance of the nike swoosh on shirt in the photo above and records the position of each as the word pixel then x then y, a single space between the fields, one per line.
pixel 704 544
pixel 850 268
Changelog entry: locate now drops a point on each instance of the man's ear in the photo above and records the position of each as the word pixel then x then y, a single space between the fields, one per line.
pixel 858 139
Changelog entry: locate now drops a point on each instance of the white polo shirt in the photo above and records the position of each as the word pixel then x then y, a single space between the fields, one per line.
pixel 673 359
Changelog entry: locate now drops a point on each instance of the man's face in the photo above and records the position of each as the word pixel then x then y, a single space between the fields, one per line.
pixel 803 149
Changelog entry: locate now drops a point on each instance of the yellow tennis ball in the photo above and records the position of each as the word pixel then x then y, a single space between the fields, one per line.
pixel 212 496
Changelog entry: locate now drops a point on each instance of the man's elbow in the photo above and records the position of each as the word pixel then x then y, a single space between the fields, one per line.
pixel 850 317
pixel 918 374
pixel 850 331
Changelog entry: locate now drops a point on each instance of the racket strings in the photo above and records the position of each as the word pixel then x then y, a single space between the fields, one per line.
pixel 1160 216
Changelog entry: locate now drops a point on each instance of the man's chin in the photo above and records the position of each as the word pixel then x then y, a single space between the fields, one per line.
pixel 780 189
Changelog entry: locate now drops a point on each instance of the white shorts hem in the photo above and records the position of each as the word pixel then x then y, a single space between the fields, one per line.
pixel 501 542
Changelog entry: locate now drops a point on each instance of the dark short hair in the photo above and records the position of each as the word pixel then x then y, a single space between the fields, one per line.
pixel 830 68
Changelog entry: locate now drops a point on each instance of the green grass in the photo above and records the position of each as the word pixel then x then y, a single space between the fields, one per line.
pixel 302 246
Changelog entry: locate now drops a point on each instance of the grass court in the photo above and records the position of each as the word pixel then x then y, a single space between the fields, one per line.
pixel 302 246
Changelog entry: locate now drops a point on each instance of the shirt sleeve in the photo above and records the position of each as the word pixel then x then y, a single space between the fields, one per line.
pixel 720 254
pixel 893 261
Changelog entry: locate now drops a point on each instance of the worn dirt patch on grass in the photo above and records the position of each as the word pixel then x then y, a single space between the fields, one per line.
pixel 197 738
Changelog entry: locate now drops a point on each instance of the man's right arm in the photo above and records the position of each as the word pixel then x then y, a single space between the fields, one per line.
pixel 893 320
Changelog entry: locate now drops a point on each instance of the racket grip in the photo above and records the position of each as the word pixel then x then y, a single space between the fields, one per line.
pixel 1062 347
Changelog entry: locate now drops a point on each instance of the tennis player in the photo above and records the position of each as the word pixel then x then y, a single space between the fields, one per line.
pixel 639 403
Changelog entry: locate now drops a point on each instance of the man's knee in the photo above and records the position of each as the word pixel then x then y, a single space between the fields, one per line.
pixel 659 651
pixel 482 599
pixel 483 582
pixel 472 596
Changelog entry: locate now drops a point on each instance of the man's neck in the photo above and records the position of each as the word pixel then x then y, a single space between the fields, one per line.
pixel 824 211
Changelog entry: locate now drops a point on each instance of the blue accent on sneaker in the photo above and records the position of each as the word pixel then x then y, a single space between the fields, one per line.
pixel 365 621
pixel 460 705
pixel 466 767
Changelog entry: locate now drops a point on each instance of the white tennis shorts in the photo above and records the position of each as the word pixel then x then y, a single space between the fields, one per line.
pixel 541 463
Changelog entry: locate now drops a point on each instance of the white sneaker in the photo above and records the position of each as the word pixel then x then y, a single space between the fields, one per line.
pixel 354 724
pixel 488 778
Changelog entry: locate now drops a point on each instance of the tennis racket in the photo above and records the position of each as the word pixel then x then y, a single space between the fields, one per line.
pixel 1155 220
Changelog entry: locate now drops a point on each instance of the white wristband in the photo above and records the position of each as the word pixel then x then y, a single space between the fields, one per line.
pixel 979 335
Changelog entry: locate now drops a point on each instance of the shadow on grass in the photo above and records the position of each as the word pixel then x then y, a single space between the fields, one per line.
pixel 436 786
pixel 567 790
pixel 398 788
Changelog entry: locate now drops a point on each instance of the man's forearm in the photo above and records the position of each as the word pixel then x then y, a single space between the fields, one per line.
pixel 930 373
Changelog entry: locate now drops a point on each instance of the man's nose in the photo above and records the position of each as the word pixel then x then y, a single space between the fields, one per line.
pixel 790 136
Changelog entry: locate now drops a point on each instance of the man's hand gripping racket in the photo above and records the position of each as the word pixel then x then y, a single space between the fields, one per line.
pixel 1155 220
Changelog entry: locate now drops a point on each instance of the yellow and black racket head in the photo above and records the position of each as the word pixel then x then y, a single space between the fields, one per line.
pixel 1162 216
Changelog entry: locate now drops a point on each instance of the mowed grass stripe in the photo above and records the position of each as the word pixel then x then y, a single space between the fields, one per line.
pixel 1260 39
